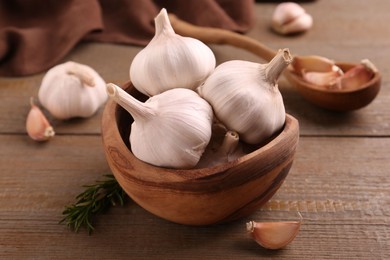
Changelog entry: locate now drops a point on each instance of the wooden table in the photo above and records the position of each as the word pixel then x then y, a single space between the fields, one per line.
pixel 339 180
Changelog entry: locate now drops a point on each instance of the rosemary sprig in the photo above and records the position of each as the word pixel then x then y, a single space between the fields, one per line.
pixel 96 199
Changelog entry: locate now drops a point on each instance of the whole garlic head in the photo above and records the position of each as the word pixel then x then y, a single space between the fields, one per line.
pixel 245 96
pixel 290 17
pixel 170 61
pixel 171 129
pixel 72 90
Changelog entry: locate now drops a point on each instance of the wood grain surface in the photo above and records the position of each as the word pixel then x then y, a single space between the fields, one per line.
pixel 339 180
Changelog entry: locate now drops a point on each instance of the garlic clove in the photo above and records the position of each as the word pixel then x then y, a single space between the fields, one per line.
pixel 170 61
pixel 37 125
pixel 299 24
pixel 356 76
pixel 286 12
pixel 274 235
pixel 289 18
pixel 323 79
pixel 314 63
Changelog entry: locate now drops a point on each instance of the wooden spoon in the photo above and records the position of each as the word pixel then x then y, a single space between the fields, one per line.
pixel 332 99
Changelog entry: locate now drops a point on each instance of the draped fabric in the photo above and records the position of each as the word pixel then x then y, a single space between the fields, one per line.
pixel 36 34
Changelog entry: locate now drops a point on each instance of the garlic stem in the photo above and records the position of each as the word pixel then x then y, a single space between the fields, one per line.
pixel 275 67
pixel 83 75
pixel 32 104
pixel 229 143
pixel 139 110
pixel 162 23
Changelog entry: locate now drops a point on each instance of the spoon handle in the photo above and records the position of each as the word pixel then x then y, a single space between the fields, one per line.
pixel 221 36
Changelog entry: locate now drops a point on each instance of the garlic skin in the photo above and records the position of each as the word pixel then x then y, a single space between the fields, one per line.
pixel 289 18
pixel 322 79
pixel 170 61
pixel 357 76
pixel 245 96
pixel 171 129
pixel 314 63
pixel 37 125
pixel 274 235
pixel 72 90
pixel 323 72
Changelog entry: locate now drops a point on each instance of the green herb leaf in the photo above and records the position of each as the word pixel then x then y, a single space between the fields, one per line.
pixel 96 199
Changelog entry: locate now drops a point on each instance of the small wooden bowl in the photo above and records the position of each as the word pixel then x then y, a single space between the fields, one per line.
pixel 336 99
pixel 197 196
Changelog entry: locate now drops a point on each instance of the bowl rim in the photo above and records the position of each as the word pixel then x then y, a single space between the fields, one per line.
pixel 110 134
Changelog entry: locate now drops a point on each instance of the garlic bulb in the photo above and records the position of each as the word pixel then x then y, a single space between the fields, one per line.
pixel 291 18
pixel 170 61
pixel 245 96
pixel 37 125
pixel 171 129
pixel 72 90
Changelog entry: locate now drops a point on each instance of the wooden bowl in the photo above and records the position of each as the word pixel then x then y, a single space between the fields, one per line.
pixel 203 196
pixel 336 99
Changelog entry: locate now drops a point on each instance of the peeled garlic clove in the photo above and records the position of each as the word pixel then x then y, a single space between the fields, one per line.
pixel 291 18
pixel 357 76
pixel 314 63
pixel 170 61
pixel 37 125
pixel 273 235
pixel 72 90
pixel 245 96
pixel 171 129
pixel 322 79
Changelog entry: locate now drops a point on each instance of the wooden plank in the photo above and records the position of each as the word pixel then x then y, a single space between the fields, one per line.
pixel 342 193
pixel 341 35
pixel 339 179
pixel 372 120
pixel 112 62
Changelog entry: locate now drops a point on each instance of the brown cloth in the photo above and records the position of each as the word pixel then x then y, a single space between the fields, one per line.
pixel 36 34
